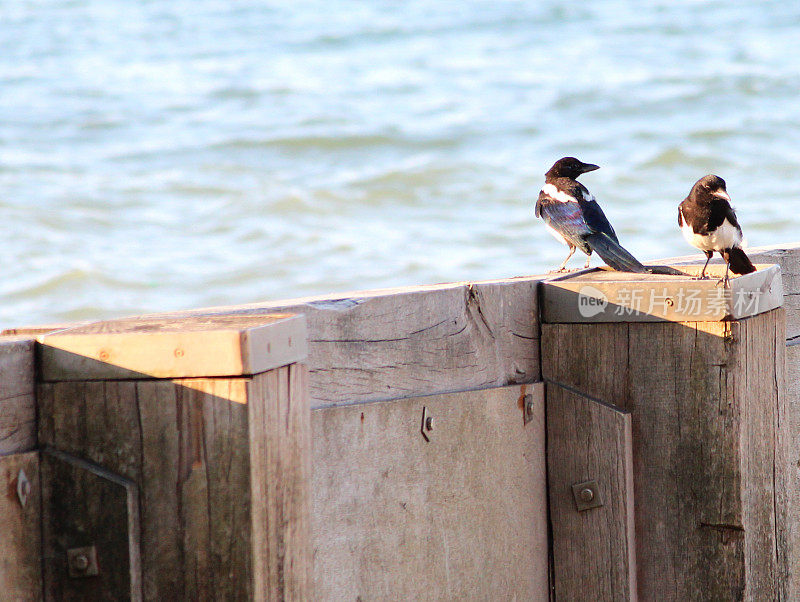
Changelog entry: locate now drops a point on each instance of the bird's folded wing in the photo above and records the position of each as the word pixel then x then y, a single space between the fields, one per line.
pixel 566 219
pixel 597 220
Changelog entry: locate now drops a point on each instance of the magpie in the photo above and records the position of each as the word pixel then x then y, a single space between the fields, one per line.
pixel 573 216
pixel 709 223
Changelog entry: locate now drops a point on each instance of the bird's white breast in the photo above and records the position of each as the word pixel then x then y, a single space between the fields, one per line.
pixel 724 237
pixel 555 234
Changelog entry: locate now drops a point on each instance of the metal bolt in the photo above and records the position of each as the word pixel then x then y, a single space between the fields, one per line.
pixel 23 487
pixel 429 423
pixel 587 495
pixel 179 352
pixel 528 401
pixel 104 355
pixel 669 301
pixel 80 562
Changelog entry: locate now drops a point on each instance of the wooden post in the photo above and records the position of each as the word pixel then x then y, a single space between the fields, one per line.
pixel 178 451
pixel 705 397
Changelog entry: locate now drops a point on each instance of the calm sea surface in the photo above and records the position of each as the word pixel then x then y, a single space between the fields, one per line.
pixel 161 155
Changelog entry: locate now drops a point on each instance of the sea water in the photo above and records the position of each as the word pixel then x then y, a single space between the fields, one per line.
pixel 163 155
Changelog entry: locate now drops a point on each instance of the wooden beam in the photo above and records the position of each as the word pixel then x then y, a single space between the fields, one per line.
pixel 194 346
pixel 395 343
pixel 594 549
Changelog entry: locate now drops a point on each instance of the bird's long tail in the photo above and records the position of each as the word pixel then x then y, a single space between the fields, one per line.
pixel 614 255
pixel 739 261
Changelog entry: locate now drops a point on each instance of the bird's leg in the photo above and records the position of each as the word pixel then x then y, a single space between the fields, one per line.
pixel 563 266
pixel 588 259
pixel 725 282
pixel 708 258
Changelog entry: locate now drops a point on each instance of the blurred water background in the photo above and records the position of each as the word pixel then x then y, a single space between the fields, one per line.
pixel 161 155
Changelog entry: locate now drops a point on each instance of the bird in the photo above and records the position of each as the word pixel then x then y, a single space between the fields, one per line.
pixel 573 216
pixel 709 223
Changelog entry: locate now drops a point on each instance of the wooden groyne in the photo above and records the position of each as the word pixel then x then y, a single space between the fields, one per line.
pixel 531 438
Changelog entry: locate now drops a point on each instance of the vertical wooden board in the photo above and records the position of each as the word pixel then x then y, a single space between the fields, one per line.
pixel 263 475
pixel 20 529
pixel 462 516
pixel 84 505
pixel 279 475
pixel 223 471
pixel 162 559
pixel 760 363
pixel 789 419
pixel 682 382
pixel 593 549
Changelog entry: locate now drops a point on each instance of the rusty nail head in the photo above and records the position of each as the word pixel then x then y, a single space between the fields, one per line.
pixel 528 408
pixel 587 495
pixel 82 562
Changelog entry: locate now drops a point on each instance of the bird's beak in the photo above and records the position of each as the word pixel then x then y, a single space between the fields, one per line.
pixel 589 167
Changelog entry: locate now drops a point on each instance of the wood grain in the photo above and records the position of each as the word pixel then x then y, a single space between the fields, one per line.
pixel 594 550
pixel 20 530
pixel 280 472
pixel 186 445
pixel 84 505
pixel 17 402
pixel 460 517
pixel 390 344
pixel 193 346
pixel 674 297
pixel 704 399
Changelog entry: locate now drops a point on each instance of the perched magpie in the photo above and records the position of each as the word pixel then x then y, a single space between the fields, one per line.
pixel 572 216
pixel 708 222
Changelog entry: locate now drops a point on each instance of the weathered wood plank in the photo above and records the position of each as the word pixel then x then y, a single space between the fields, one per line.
pixel 594 549
pixel 17 403
pixel 20 529
pixel 604 295
pixel 788 462
pixel 164 348
pixel 280 473
pixel 704 399
pixel 390 344
pixel 185 443
pixel 83 506
pixel 462 516
pixel 786 255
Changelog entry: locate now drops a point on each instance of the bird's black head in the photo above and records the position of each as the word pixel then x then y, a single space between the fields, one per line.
pixel 710 183
pixel 569 167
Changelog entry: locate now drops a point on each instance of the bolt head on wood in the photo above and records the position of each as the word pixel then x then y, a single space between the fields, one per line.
pixel 23 487
pixel 82 562
pixel 587 495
